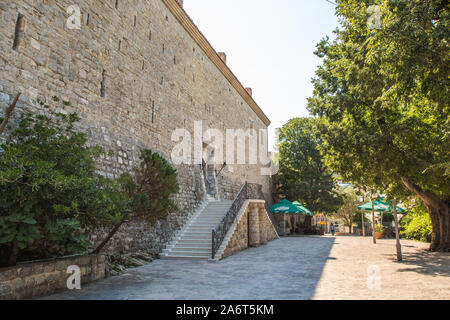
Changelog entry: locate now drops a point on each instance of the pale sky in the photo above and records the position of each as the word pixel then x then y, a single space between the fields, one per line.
pixel 269 46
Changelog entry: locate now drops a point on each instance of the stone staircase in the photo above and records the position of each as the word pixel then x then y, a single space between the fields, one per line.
pixel 194 240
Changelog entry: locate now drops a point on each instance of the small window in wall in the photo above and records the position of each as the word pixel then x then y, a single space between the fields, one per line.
pixel 135 21
pixel 116 5
pixel 150 35
pixel 102 84
pixel 153 111
pixel 19 31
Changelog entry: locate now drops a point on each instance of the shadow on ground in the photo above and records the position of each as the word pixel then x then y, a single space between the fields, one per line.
pixel 426 262
pixel 287 268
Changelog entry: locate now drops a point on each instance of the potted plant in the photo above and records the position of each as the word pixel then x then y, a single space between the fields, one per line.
pixel 379 229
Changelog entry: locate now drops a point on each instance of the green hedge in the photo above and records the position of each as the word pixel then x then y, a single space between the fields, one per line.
pixel 416 225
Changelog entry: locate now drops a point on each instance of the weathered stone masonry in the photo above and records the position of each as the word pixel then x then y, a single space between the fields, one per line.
pixel 39 278
pixel 134 72
pixel 252 229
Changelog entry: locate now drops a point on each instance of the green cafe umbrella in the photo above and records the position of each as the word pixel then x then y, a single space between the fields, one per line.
pixel 283 207
pixel 379 206
pixel 303 209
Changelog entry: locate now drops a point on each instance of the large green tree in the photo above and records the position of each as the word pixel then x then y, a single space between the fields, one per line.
pixel 382 96
pixel 346 212
pixel 303 175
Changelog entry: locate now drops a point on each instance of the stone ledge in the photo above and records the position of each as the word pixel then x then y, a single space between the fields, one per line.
pixel 36 278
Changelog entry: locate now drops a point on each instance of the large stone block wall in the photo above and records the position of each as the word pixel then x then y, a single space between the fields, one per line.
pixel 254 228
pixel 239 239
pixel 134 75
pixel 45 277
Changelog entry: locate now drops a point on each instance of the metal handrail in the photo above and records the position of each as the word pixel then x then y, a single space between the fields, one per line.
pixel 221 230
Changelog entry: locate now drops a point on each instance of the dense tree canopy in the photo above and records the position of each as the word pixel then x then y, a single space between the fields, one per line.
pixel 382 98
pixel 302 175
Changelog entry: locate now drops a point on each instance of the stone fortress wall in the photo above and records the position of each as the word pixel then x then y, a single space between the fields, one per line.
pixel 134 72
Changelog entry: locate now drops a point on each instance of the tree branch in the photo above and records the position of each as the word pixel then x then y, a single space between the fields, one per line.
pixel 427 197
pixel 9 111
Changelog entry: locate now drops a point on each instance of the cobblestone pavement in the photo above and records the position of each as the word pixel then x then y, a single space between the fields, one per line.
pixel 288 268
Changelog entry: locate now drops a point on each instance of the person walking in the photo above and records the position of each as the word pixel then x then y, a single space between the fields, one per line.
pixel 332 229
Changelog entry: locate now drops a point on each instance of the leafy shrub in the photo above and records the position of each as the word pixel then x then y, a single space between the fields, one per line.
pixel 156 180
pixel 416 225
pixel 379 228
pixel 50 194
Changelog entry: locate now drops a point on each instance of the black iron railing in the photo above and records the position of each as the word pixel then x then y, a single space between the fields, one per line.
pixel 221 230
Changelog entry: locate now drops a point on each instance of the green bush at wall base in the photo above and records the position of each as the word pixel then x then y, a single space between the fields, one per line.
pixel 50 191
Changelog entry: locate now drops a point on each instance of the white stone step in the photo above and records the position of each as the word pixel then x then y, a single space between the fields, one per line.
pixel 181 257
pixel 194 239
pixel 188 245
pixel 204 224
pixel 207 220
pixel 202 227
pixel 187 249
pixel 189 254
pixel 207 237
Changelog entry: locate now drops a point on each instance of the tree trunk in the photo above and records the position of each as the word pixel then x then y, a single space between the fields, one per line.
pixel 12 261
pixel 435 228
pixel 8 113
pixel 110 235
pixel 439 214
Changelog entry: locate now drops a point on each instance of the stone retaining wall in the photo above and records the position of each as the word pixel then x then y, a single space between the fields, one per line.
pixel 39 278
pixel 254 228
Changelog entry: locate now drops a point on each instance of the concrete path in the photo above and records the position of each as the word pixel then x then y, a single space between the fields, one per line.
pixel 288 268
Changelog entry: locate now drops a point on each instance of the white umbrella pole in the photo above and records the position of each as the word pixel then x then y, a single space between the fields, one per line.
pixel 362 224
pixel 373 224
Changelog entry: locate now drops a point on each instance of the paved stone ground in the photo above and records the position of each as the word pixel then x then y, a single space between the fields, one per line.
pixel 288 268
pixel 354 262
